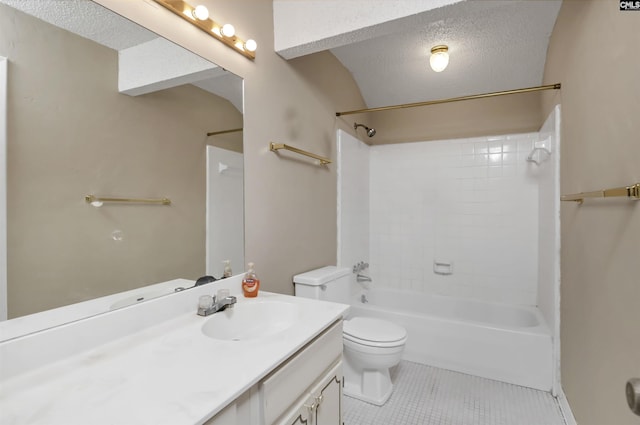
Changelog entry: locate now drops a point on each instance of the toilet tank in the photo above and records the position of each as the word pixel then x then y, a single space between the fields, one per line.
pixel 328 283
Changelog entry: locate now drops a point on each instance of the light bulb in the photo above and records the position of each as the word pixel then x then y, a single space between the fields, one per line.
pixel 228 30
pixel 201 13
pixel 250 45
pixel 439 58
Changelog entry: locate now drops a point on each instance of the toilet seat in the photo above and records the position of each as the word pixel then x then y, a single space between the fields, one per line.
pixel 373 332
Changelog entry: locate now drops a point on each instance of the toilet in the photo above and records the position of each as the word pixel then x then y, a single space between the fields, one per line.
pixel 371 346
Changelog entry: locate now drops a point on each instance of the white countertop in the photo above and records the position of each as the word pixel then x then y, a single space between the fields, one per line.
pixel 167 373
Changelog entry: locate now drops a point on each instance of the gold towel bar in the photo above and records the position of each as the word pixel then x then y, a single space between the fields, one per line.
pixel 632 191
pixel 90 199
pixel 276 146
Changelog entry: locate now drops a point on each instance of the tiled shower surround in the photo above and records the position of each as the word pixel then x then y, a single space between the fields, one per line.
pixel 471 203
pixel 468 202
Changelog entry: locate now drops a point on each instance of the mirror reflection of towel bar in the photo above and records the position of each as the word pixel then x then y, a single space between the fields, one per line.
pixel 215 133
pixel 97 201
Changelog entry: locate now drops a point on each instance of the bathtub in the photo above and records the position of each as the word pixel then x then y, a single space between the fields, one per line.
pixel 497 341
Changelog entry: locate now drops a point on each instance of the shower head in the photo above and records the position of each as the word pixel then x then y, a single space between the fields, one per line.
pixel 370 131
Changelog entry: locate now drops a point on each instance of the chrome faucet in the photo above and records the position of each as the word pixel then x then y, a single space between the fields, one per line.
pixel 362 278
pixel 208 304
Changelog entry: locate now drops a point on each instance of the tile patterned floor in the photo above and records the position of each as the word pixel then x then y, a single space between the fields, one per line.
pixel 425 395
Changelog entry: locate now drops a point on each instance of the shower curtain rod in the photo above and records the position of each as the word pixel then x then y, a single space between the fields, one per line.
pixel 214 133
pixel 453 99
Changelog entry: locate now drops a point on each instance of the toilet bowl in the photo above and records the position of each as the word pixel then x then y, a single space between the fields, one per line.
pixel 371 346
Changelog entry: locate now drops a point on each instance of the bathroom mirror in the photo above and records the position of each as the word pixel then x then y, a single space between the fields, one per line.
pixel 125 117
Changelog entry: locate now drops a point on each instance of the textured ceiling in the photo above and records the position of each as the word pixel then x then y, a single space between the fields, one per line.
pixel 87 19
pixel 493 46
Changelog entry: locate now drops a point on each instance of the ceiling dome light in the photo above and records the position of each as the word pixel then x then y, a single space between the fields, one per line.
pixel 201 13
pixel 250 45
pixel 439 58
pixel 228 30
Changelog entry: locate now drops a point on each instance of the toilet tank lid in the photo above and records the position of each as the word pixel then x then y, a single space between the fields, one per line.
pixel 321 276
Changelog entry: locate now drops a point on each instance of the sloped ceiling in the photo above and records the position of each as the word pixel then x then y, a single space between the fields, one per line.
pixel 493 45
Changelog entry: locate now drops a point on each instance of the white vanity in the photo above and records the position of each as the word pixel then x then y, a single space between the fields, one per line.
pixel 274 359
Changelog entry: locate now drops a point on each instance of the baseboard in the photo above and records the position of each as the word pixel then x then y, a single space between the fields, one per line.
pixel 565 409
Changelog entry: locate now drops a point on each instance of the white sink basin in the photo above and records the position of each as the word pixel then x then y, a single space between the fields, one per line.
pixel 251 320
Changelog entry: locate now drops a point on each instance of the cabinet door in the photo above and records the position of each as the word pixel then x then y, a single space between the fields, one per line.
pixel 322 404
pixel 297 378
pixel 300 414
pixel 328 398
pixel 300 418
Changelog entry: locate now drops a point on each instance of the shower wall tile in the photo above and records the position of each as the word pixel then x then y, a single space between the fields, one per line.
pixel 472 202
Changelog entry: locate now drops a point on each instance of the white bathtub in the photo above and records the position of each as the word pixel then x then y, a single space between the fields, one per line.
pixel 497 341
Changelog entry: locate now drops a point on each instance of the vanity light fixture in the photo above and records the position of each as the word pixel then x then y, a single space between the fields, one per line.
pixel 439 58
pixel 199 17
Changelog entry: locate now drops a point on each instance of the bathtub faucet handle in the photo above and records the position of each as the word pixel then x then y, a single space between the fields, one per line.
pixel 358 267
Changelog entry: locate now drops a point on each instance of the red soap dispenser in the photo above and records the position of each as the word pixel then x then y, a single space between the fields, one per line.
pixel 250 283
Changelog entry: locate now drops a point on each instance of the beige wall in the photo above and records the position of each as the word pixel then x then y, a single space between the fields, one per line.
pixel 594 52
pixel 71 133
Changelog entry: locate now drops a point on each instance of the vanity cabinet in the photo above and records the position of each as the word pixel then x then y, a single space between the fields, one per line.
pixel 305 389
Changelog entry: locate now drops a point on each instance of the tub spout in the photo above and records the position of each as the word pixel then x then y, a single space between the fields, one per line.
pixel 363 278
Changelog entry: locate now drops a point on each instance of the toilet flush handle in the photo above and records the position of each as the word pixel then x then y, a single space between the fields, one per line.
pixel 633 395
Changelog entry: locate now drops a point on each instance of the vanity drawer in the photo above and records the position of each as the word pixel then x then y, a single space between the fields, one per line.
pixel 281 390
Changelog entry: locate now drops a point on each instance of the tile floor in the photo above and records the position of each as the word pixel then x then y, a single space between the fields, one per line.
pixel 425 395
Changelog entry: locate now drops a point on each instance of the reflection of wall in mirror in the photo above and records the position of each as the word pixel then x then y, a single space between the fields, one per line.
pixel 70 133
